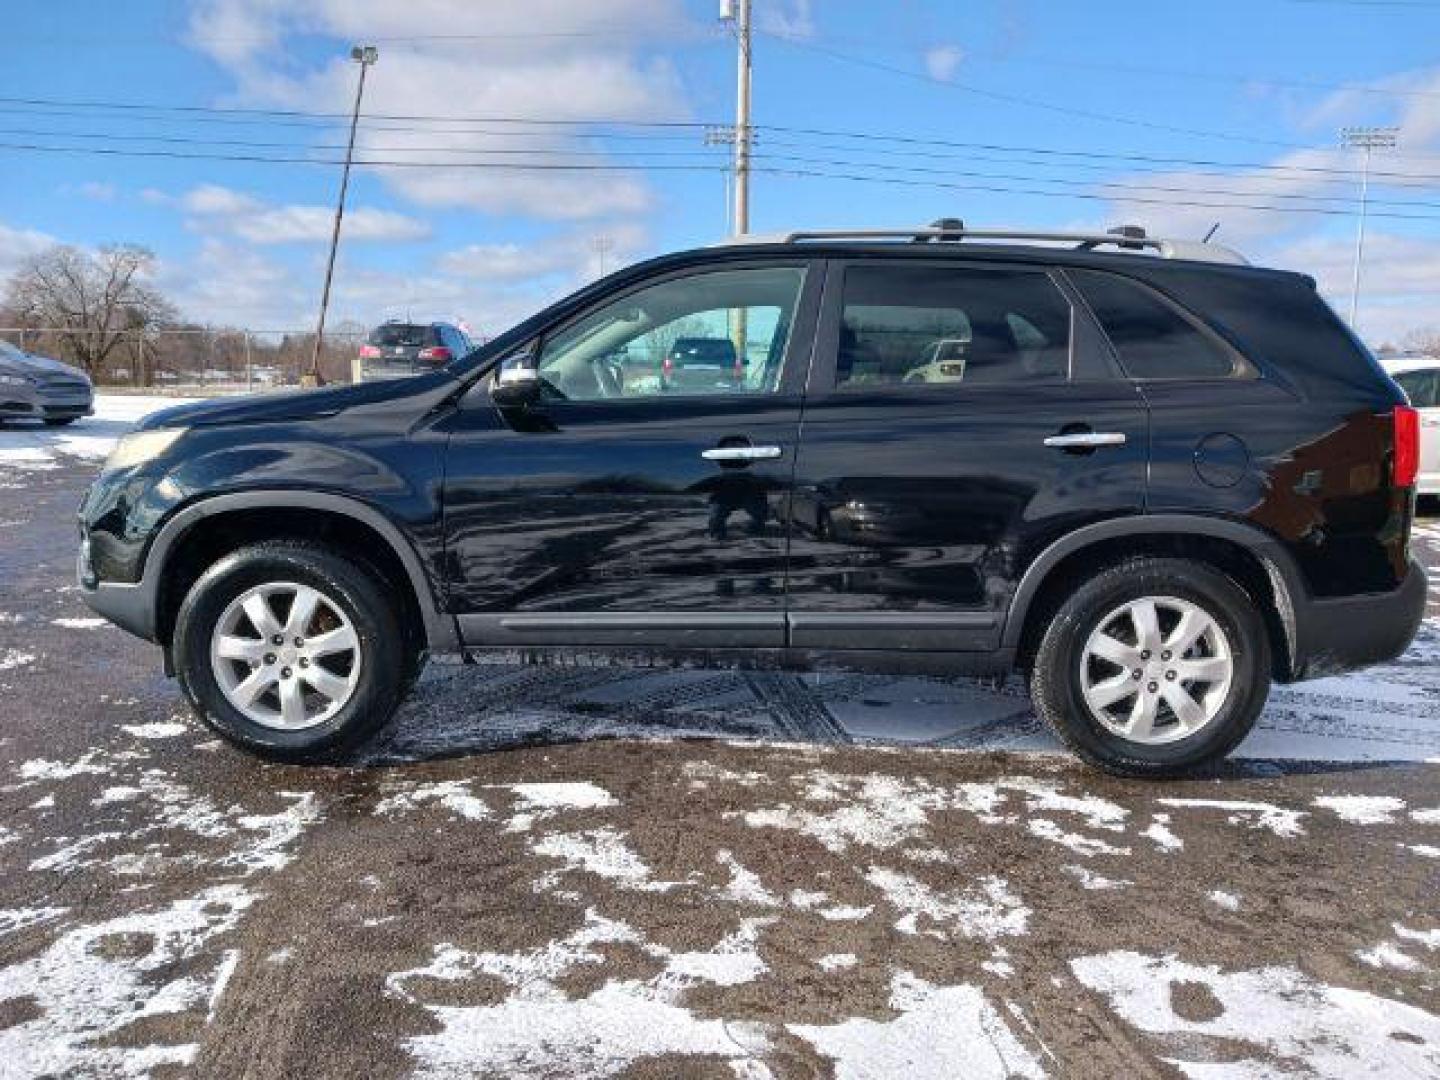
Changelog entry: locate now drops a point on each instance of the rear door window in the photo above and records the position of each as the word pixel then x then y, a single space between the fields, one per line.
pixel 951 326
pixel 1152 337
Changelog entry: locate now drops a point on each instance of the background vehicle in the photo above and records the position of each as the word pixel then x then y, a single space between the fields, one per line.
pixel 38 387
pixel 1419 377
pixel 1148 515
pixel 701 363
pixel 397 349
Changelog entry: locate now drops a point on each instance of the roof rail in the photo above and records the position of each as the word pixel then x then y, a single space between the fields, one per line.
pixel 953 230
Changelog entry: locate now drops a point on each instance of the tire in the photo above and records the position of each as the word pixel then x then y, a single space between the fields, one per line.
pixel 60 421
pixel 352 598
pixel 1115 600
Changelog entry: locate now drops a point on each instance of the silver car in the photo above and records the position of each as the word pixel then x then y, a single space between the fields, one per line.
pixel 38 388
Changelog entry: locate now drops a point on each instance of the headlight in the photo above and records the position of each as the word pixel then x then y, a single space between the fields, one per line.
pixel 14 380
pixel 140 447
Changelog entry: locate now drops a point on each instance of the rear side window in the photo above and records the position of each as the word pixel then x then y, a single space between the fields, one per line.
pixel 409 335
pixel 950 326
pixel 1152 337
pixel 1421 387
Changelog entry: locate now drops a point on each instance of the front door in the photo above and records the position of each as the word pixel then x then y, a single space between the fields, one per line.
pixel 960 417
pixel 643 500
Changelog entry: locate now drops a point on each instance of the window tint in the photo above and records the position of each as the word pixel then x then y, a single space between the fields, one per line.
pixel 1152 338
pixel 722 332
pixel 919 325
pixel 1421 387
pixel 408 335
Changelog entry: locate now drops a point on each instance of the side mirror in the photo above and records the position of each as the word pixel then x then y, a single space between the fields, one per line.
pixel 517 384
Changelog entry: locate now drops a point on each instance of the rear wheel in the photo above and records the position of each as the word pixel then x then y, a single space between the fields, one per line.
pixel 291 652
pixel 1155 667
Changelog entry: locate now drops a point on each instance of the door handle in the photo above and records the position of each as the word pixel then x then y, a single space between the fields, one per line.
pixel 742 453
pixel 1086 440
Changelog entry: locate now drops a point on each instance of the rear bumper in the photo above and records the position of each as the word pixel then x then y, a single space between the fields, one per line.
pixel 1332 636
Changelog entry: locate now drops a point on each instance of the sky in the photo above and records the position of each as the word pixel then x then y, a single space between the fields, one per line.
pixel 515 149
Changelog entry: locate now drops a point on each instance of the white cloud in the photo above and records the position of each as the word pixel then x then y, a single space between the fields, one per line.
pixel 224 210
pixel 17 245
pixel 547 60
pixel 94 190
pixel 943 61
pixel 794 19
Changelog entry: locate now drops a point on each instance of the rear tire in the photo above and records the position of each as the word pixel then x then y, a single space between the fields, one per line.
pixel 340 697
pixel 1094 645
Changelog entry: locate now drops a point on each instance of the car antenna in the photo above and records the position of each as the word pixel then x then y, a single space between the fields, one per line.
pixel 1213 230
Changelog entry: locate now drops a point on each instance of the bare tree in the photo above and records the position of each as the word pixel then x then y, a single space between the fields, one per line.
pixel 1425 340
pixel 90 303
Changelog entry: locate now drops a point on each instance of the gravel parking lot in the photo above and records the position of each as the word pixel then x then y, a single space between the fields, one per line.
pixel 584 871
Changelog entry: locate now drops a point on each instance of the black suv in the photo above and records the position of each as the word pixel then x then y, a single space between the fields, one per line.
pixel 1143 473
pixel 394 349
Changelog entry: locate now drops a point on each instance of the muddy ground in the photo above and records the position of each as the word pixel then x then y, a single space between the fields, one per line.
pixel 589 872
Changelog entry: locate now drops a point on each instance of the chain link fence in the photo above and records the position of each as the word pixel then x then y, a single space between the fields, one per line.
pixel 193 360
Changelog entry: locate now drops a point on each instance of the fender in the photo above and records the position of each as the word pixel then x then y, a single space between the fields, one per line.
pixel 440 632
pixel 1285 577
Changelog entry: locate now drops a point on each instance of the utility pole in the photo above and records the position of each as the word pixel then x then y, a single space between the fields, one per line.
pixel 364 55
pixel 1365 139
pixel 736 13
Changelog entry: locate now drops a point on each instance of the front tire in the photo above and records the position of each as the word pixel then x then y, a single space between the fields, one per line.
pixel 291 652
pixel 1155 667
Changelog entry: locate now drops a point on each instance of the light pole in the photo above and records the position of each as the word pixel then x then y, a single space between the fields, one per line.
pixel 602 246
pixel 1364 139
pixel 364 55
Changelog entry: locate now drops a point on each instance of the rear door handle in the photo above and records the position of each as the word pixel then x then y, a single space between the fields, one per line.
pixel 742 453
pixel 1086 440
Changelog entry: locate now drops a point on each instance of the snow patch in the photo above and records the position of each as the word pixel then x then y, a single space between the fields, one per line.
pixel 78 624
pixel 1096 882
pixel 941 1032
pixel 453 795
pixel 602 852
pixel 837 961
pixel 159 729
pixel 13 920
pixel 1222 899
pixel 1363 809
pixel 11 659
pixel 1293 1024
pixel 1159 831
pixel 987 911
pixel 745 885
pixel 1282 822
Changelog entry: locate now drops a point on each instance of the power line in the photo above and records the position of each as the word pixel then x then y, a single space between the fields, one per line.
pixel 886 176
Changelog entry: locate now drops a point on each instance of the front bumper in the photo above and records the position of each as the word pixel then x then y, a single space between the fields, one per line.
pixel 1337 635
pixel 130 606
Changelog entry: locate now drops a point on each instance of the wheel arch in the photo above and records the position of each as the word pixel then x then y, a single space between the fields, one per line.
pixel 1262 565
pixel 376 540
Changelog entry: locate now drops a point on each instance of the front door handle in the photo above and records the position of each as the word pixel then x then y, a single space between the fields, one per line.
pixel 742 453
pixel 1085 440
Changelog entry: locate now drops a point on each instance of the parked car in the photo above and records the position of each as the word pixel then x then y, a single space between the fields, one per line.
pixel 39 388
pixel 1419 377
pixel 397 349
pixel 1163 479
pixel 701 365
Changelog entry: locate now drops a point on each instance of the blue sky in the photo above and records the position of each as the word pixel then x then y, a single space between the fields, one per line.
pixel 1073 114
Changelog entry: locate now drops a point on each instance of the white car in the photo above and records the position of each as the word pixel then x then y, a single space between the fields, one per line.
pixel 1419 377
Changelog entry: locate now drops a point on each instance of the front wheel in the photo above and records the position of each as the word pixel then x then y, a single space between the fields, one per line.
pixel 290 651
pixel 1155 667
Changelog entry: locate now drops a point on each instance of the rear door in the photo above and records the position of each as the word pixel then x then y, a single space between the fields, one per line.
pixel 960 416
pixel 625 510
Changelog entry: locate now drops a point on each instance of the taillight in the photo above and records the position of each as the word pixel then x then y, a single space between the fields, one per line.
pixel 369 352
pixel 1407 446
pixel 667 365
pixel 435 354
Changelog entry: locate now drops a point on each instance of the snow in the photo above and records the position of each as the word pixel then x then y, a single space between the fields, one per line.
pixel 1227 900
pixel 1363 809
pixel 941 1032
pixel 158 729
pixel 540 801
pixel 837 961
pixel 86 992
pixel 1095 882
pixel 986 911
pixel 1159 831
pixel 453 795
pixel 38 449
pixel 1251 814
pixel 602 852
pixel 79 624
pixel 745 885
pixel 1274 1021
pixel 11 659
pixel 13 920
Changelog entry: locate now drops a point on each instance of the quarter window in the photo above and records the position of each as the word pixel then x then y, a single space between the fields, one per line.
pixel 721 332
pixel 950 326
pixel 1153 339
